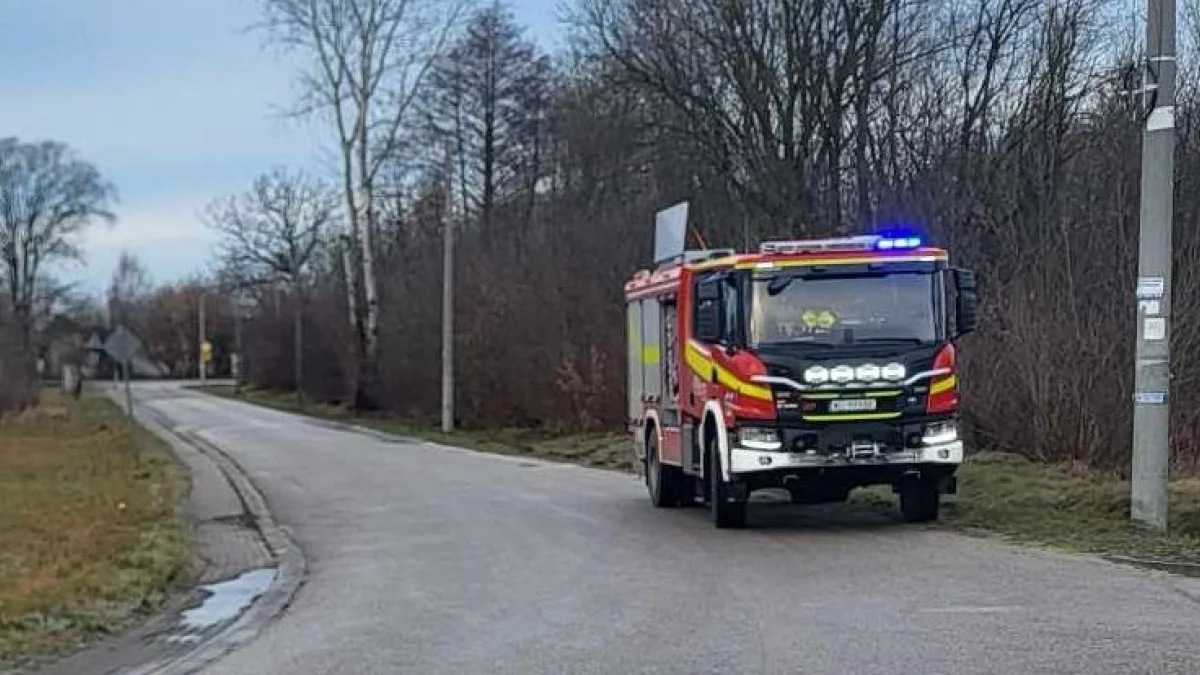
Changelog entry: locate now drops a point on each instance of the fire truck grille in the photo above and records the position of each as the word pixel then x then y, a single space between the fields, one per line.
pixel 839 440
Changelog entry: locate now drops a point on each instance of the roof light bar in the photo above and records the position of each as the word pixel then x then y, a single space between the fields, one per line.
pixel 864 243
pixel 861 243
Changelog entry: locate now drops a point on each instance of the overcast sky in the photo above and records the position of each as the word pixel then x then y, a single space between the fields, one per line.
pixel 174 101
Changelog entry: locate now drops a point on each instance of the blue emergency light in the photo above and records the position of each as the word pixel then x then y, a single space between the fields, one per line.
pixel 898 243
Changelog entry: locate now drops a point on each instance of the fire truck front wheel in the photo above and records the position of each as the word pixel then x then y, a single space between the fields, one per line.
pixel 728 510
pixel 665 483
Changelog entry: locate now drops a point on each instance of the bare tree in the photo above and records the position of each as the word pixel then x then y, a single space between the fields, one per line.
pixel 47 198
pixel 370 61
pixel 271 234
pixel 987 123
pixel 130 284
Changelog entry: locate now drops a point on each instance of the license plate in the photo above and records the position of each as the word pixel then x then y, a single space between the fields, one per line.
pixel 852 405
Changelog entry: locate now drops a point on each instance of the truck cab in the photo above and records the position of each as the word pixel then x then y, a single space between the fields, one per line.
pixel 815 366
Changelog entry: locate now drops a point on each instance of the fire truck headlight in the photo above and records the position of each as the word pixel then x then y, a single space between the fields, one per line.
pixel 759 438
pixel 868 372
pixel 893 372
pixel 842 374
pixel 816 375
pixel 940 433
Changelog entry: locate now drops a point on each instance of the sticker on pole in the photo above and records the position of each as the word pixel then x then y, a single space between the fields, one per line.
pixel 1154 329
pixel 1162 117
pixel 1150 397
pixel 1150 288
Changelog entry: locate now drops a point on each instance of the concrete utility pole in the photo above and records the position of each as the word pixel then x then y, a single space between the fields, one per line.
pixel 448 306
pixel 1151 413
pixel 235 364
pixel 128 368
pixel 203 339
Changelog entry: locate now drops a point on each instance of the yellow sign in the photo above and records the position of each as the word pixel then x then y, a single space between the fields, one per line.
pixel 823 319
pixel 206 352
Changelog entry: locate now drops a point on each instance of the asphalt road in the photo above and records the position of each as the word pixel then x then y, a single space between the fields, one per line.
pixel 431 560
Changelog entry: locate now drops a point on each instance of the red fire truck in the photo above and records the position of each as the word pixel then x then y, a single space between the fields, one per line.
pixel 814 366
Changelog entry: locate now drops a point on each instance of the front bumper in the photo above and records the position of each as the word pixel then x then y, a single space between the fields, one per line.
pixel 745 460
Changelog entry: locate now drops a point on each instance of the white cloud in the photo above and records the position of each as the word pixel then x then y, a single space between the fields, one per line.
pixel 170 220
pixel 166 234
pixel 171 99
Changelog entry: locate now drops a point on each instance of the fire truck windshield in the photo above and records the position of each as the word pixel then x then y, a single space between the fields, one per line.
pixel 844 310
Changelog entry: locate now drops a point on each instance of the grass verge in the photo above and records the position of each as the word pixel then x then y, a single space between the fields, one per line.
pixel 600 450
pixel 1070 509
pixel 91 528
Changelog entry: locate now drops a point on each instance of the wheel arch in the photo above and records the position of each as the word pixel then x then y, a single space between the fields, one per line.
pixel 714 422
pixel 651 425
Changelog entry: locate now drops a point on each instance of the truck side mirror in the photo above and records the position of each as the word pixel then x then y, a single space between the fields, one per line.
pixel 966 301
pixel 708 314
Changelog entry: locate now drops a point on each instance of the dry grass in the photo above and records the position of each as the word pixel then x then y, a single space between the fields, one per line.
pixel 1072 508
pixel 89 520
pixel 1068 508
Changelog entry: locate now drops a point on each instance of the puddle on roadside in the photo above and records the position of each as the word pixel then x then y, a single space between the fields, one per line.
pixel 226 599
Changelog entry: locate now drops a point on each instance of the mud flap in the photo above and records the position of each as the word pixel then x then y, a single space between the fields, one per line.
pixel 638 455
pixel 736 491
pixel 948 485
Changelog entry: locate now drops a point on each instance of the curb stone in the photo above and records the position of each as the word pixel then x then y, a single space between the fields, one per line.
pixel 290 569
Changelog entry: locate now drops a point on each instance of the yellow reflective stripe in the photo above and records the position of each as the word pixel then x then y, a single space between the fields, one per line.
pixel 744 388
pixel 852 417
pixel 821 397
pixel 703 366
pixel 651 354
pixel 943 386
pixel 698 362
pixel 884 394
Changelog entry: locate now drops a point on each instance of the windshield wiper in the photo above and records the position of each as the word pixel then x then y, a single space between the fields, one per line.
pixel 877 340
pixel 800 341
pixel 779 284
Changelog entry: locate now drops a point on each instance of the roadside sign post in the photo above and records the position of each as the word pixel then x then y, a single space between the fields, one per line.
pixel 122 346
pixel 206 357
pixel 128 390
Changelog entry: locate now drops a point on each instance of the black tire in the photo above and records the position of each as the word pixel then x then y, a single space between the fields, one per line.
pixel 691 491
pixel 726 515
pixel 662 482
pixel 920 500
